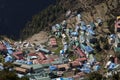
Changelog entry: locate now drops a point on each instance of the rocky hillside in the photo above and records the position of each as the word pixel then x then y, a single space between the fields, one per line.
pixel 90 9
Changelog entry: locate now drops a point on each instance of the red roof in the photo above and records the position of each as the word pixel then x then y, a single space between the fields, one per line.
pixel 42 56
pixel 81 59
pixel 18 55
pixel 76 63
pixel 79 51
pixel 32 54
pixel 2 47
pixel 82 54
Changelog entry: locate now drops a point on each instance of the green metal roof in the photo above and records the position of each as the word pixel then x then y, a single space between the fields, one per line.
pixel 116 49
pixel 36 66
pixel 40 76
pixel 43 78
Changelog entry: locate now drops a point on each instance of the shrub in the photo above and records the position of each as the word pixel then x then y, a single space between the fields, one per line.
pixel 94 76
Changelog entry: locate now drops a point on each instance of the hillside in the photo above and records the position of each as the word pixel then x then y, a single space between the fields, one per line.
pixel 77 38
pixel 105 9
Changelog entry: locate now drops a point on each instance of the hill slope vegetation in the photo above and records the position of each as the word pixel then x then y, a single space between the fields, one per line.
pixel 105 9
